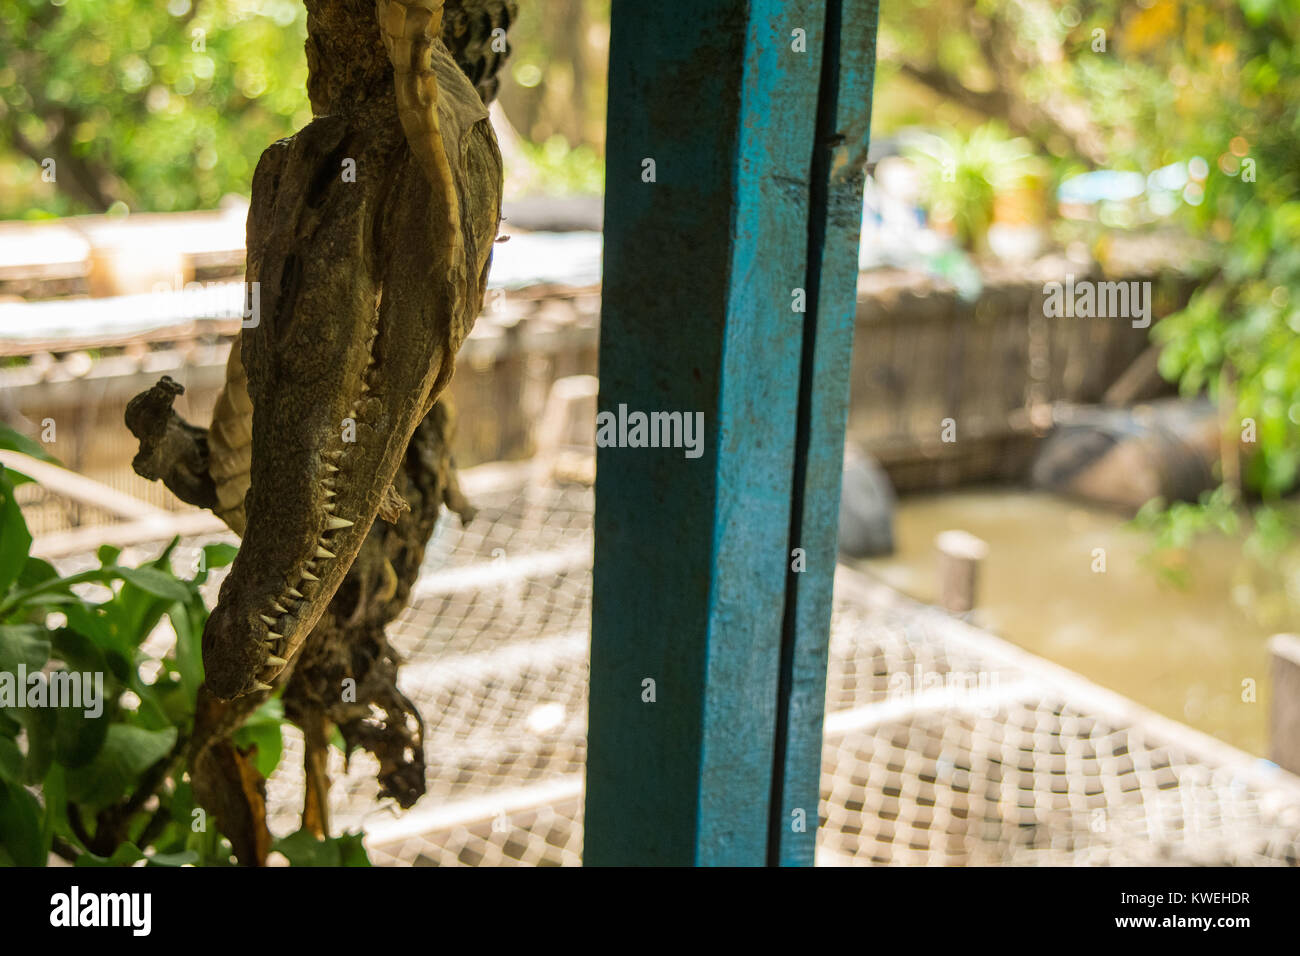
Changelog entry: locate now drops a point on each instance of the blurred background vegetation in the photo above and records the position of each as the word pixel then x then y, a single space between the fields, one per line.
pixel 999 107
pixel 1138 86
pixel 156 106
pixel 146 105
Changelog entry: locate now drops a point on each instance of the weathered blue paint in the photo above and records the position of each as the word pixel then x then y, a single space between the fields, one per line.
pixel 838 176
pixel 692 554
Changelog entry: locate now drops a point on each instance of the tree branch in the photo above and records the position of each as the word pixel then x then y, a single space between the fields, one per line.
pixel 74 177
pixel 992 104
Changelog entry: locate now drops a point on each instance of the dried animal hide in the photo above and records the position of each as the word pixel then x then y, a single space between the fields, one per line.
pixel 369 241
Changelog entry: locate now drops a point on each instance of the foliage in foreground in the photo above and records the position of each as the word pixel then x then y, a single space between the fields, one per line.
pixel 110 788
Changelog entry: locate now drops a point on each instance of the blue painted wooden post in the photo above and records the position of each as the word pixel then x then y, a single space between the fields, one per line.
pixel 722 218
pixel 838 176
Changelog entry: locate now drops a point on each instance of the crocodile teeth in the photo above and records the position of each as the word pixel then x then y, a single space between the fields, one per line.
pixel 275 661
pixel 308 576
pixel 336 454
pixel 334 523
pixel 277 606
pixel 322 553
pixel 270 621
pixel 294 592
pixel 272 637
pixel 331 468
pixel 330 492
pixel 261 686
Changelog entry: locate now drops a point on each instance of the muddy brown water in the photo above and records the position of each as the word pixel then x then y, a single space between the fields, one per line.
pixel 1184 652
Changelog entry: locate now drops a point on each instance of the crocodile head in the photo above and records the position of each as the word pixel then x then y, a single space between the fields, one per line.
pixel 367 289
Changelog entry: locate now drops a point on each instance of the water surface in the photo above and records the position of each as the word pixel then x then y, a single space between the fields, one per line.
pixel 1184 652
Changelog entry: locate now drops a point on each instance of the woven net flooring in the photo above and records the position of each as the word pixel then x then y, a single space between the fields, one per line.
pixel 944 745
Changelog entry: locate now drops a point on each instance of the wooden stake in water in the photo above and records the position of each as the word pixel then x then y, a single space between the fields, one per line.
pixel 960 554
pixel 1284 711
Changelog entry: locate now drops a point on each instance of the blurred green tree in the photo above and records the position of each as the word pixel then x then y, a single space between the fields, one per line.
pixel 161 106
pixel 154 105
pixel 1240 336
pixel 1213 84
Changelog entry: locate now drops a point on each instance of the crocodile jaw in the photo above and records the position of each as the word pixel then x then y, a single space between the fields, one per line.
pixel 328 349
pixel 325 451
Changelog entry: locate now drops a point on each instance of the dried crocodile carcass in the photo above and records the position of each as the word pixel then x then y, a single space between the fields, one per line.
pixel 367 285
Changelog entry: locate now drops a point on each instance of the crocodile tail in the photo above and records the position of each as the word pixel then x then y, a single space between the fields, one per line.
pixel 230 444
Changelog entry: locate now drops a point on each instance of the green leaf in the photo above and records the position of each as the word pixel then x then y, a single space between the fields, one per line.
pixel 41 592
pixel 267 737
pixel 54 791
pixel 124 855
pixel 135 610
pixel 11 760
pixel 127 753
pixel 11 440
pixel 76 650
pixel 20 826
pixel 188 620
pixel 157 710
pixel 303 849
pixel 36 571
pixel 156 582
pixel 218 555
pixel 92 622
pixel 352 849
pixel 78 738
pixel 15 539
pixel 183 858
pixel 164 560
pixel 108 555
pixel 21 644
pixel 174 836
pixel 40 724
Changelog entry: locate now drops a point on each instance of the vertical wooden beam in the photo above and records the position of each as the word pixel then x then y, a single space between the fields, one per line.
pixel 713 113
pixel 834 235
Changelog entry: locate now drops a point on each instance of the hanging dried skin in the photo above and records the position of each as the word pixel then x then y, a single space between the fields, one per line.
pixel 395 252
pixel 368 288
